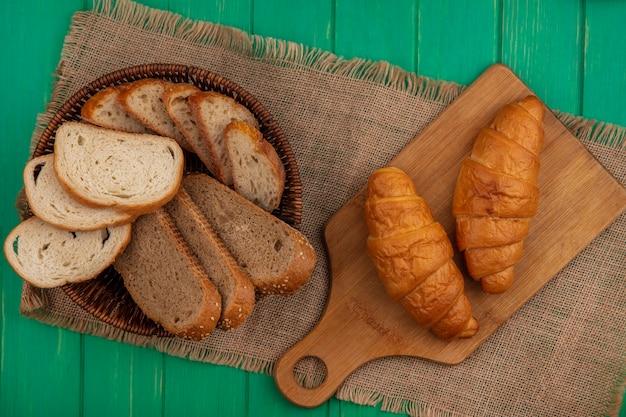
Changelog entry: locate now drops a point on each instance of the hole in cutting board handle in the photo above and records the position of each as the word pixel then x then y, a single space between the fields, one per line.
pixel 310 372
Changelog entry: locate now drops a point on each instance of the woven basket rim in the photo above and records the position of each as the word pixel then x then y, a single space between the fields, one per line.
pixel 105 297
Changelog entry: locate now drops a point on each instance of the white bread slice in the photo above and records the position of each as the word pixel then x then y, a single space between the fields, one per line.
pixel 277 258
pixel 51 203
pixel 143 99
pixel 130 172
pixel 236 289
pixel 213 112
pixel 258 173
pixel 166 280
pixel 175 99
pixel 47 257
pixel 103 110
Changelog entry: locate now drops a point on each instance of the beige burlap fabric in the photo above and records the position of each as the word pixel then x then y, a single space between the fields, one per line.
pixel 562 354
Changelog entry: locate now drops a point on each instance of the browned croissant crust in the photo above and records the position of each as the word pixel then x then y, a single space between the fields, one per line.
pixel 413 256
pixel 496 193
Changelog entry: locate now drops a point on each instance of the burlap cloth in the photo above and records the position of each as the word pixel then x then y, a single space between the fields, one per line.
pixel 562 354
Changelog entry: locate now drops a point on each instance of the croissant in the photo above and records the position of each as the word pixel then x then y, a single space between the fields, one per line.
pixel 496 194
pixel 413 256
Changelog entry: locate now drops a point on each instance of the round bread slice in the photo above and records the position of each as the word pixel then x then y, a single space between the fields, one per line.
pixel 49 201
pixel 47 257
pixel 166 280
pixel 257 171
pixel 130 172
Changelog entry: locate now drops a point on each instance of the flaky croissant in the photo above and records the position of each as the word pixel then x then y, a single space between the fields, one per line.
pixel 413 256
pixel 496 193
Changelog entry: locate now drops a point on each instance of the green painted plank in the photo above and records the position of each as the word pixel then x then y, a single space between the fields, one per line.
pixel 266 400
pixel 235 13
pixel 542 43
pixel 373 30
pixel 203 389
pixel 605 54
pixel 33 356
pixel 446 50
pixel 309 23
pixel 120 379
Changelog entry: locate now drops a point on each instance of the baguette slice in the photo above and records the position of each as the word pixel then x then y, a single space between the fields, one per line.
pixel 236 289
pixel 47 257
pixel 49 201
pixel 257 171
pixel 166 280
pixel 143 99
pixel 213 112
pixel 277 258
pixel 175 101
pixel 103 110
pixel 130 172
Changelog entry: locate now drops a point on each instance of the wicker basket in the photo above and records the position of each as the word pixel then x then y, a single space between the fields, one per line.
pixel 105 296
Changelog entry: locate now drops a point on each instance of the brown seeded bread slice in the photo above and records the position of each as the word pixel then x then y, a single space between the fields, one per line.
pixel 236 289
pixel 166 280
pixel 143 99
pixel 257 171
pixel 48 257
pixel 102 109
pixel 212 112
pixel 130 172
pixel 51 203
pixel 277 258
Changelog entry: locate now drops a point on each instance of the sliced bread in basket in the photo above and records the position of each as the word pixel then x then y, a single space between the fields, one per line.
pixel 212 112
pixel 103 109
pixel 257 171
pixel 277 258
pixel 130 172
pixel 143 99
pixel 166 280
pixel 47 257
pixel 236 289
pixel 51 203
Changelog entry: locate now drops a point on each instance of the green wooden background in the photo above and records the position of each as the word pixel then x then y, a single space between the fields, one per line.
pixel 572 53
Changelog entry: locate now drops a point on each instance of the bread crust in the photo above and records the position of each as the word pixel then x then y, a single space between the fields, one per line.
pixel 158 115
pixel 63 167
pixel 262 151
pixel 413 256
pixel 41 268
pixel 108 96
pixel 139 251
pixel 496 193
pixel 241 299
pixel 49 203
pixel 302 262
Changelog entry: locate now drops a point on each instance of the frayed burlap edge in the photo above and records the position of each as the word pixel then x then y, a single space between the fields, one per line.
pixel 282 54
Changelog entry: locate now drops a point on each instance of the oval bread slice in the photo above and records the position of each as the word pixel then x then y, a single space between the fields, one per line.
pixel 130 172
pixel 49 201
pixel 48 257
pixel 277 258
pixel 236 289
pixel 103 110
pixel 143 99
pixel 166 280
pixel 257 171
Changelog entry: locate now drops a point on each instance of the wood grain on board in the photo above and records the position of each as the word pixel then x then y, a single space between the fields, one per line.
pixel 579 199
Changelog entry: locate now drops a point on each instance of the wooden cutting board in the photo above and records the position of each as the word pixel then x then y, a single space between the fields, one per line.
pixel 579 199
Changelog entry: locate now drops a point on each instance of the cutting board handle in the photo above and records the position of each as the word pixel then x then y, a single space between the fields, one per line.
pixel 321 343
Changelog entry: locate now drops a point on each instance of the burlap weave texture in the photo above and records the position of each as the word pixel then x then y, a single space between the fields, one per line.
pixel 561 354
